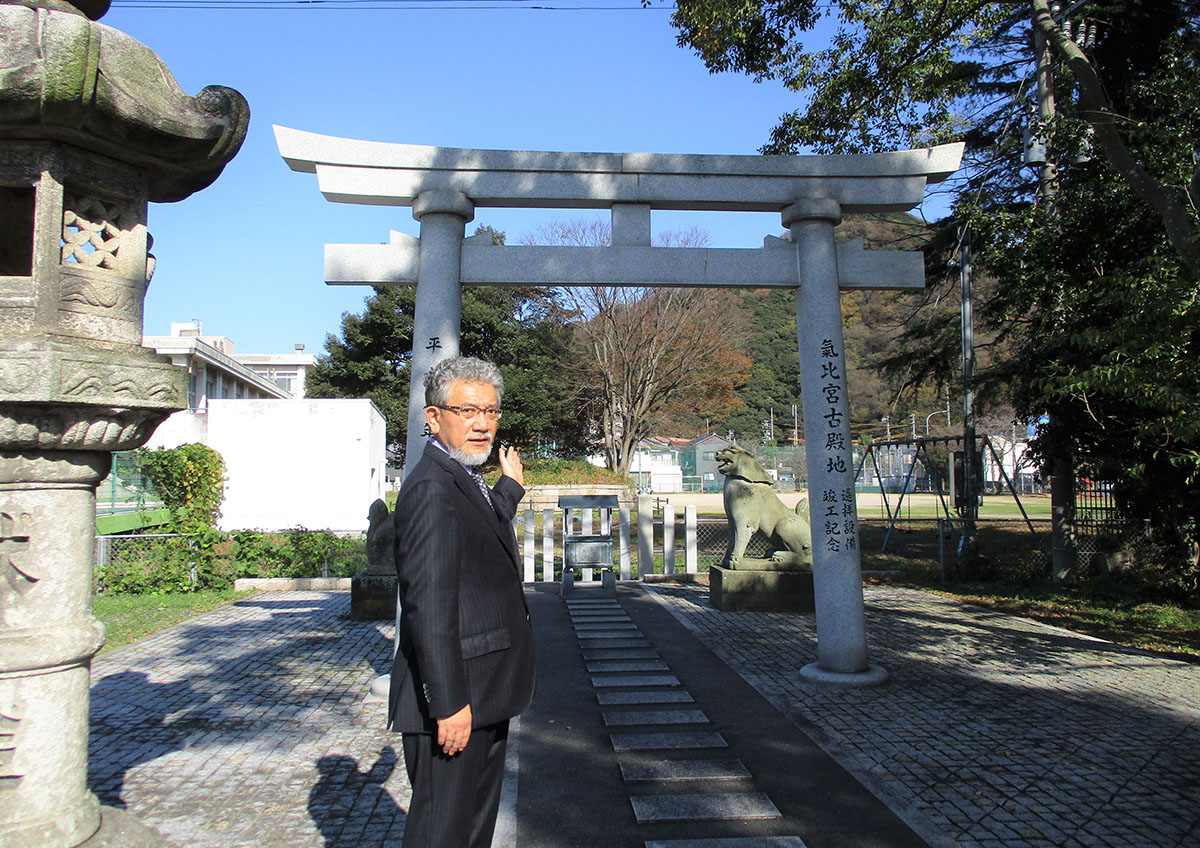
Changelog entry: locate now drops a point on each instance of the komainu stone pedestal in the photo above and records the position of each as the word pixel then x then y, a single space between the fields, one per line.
pixel 744 590
pixel 373 590
pixel 372 596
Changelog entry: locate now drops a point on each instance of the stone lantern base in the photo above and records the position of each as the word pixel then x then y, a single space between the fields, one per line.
pixel 118 829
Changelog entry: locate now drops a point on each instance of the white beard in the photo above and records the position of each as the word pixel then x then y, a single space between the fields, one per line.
pixel 471 460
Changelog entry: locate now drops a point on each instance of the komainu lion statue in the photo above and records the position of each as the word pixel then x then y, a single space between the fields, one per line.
pixel 751 504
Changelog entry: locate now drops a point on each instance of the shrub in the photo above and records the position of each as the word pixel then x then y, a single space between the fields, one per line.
pixel 299 553
pixel 191 481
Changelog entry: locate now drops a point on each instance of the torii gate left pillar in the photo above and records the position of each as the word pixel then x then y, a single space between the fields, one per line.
pixel 444 186
pixel 437 317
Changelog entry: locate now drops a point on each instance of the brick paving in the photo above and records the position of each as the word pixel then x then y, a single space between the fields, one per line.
pixel 247 726
pixel 994 730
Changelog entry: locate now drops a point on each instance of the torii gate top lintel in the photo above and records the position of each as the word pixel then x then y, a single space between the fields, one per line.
pixel 384 173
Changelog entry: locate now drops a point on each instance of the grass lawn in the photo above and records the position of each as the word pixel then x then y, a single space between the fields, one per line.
pixel 1013 578
pixel 1037 507
pixel 130 617
pixel 1106 614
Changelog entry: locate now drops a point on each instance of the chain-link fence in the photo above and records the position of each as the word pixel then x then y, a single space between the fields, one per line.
pixel 920 548
pixel 127 487
pixel 712 538
pixel 160 562
pixel 172 562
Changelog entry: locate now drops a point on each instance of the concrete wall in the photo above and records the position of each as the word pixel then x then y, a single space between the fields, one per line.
pixel 312 463
pixel 182 428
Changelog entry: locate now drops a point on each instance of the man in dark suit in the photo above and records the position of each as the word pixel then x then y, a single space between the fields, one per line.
pixel 465 664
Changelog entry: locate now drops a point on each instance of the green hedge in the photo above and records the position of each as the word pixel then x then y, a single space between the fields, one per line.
pixel 212 560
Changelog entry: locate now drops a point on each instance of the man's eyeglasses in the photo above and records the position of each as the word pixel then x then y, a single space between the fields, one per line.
pixel 491 413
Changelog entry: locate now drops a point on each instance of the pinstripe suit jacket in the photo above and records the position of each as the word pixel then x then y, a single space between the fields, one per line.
pixel 465 636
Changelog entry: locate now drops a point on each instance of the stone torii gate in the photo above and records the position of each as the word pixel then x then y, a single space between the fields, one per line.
pixel 445 185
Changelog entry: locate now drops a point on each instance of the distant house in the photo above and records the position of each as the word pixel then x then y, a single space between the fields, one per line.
pixel 698 461
pixel 655 466
pixel 290 461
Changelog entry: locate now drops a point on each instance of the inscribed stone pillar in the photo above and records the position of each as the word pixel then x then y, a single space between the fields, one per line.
pixel 438 312
pixel 92 128
pixel 837 570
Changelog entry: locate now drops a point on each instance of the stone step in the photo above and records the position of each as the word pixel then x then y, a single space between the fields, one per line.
pixel 592 603
pixel 593 618
pixel 731 842
pixel 665 771
pixel 627 665
pixel 608 622
pixel 620 654
pixel 635 680
pixel 674 741
pixel 626 718
pixel 627 641
pixel 704 807
pixel 608 634
pixel 598 612
pixel 663 696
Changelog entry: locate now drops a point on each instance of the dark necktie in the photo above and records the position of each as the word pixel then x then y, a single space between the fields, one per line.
pixel 477 476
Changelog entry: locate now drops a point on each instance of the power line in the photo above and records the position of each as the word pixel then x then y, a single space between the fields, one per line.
pixel 376 5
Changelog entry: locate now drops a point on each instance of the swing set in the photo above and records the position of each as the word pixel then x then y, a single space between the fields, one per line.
pixel 955 518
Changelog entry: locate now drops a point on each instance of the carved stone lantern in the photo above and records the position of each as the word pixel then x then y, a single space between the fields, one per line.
pixel 92 128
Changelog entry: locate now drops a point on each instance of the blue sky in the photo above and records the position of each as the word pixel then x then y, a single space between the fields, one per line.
pixel 245 255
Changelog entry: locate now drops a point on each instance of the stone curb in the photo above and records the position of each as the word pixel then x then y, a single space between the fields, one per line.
pixel 291 584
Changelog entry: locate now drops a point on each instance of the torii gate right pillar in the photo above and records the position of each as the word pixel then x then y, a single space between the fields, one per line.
pixel 837 569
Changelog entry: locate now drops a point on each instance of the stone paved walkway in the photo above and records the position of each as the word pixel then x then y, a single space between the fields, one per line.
pixel 994 730
pixel 247 726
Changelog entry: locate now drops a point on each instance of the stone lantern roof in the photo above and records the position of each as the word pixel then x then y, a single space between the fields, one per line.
pixel 65 78
pixel 93 9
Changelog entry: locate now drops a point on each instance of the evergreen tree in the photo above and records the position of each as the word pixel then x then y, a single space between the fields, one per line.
pixel 521 329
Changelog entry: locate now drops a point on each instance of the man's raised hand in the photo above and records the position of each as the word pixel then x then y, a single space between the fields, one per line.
pixel 510 465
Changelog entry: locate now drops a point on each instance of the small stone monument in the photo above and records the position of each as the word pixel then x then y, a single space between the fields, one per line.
pixel 92 128
pixel 783 580
pixel 373 590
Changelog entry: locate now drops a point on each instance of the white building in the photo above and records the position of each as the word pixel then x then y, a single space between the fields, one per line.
pixel 1014 460
pixel 288 371
pixel 213 374
pixel 289 461
pixel 317 464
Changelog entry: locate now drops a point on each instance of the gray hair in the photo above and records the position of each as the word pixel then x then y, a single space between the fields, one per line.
pixel 466 368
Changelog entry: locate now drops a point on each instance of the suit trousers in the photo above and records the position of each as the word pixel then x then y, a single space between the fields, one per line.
pixel 454 799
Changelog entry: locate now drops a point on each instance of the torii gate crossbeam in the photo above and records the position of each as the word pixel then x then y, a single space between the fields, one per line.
pixel 445 185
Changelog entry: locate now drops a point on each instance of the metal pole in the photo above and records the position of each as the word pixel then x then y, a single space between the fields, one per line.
pixel 971 508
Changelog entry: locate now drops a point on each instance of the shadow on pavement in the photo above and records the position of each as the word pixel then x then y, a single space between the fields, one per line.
pixel 344 799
